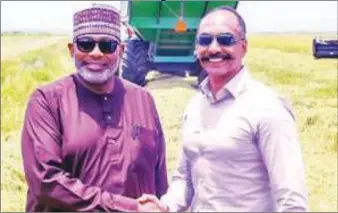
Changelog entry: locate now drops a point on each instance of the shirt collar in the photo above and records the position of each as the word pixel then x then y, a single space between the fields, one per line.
pixel 83 89
pixel 232 88
pixel 238 83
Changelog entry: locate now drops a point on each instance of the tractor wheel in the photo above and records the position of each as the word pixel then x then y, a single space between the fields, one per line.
pixel 197 70
pixel 201 76
pixel 135 62
pixel 200 72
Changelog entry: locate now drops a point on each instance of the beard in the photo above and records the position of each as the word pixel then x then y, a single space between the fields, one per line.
pixel 96 77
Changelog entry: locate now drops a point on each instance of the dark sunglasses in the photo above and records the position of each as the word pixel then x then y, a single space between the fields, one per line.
pixel 87 44
pixel 223 39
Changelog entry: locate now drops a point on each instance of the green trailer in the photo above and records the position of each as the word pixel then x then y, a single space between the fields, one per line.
pixel 159 42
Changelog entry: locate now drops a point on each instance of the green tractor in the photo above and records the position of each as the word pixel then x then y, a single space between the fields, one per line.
pixel 162 37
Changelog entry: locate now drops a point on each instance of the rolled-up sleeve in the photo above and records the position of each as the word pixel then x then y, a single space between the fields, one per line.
pixel 42 159
pixel 281 153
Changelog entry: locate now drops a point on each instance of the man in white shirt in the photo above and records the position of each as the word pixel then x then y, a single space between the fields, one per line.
pixel 240 148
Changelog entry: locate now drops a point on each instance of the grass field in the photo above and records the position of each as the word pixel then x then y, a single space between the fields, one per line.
pixel 14 45
pixel 284 62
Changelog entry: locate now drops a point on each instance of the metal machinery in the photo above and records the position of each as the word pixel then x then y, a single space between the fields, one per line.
pixel 163 37
pixel 325 47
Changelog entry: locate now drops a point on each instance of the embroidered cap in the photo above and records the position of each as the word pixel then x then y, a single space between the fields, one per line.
pixel 97 19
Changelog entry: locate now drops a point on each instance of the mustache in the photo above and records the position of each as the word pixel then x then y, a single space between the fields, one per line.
pixel 224 56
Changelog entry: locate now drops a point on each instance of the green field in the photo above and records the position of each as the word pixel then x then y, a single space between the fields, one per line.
pixel 284 62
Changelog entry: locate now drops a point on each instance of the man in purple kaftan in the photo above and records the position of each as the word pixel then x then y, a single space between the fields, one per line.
pixel 92 141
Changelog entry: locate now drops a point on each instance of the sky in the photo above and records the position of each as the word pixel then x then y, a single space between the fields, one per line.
pixel 260 16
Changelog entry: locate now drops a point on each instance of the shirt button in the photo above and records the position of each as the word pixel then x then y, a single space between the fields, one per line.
pixel 105 98
pixel 108 117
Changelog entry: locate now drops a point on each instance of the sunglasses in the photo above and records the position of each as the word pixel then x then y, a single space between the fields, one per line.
pixel 223 39
pixel 87 44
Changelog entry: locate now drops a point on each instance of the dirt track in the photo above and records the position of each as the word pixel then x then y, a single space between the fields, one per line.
pixel 14 46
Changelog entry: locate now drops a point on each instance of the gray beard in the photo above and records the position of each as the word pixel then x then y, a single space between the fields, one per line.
pixel 97 77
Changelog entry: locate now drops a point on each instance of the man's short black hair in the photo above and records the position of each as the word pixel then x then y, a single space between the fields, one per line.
pixel 233 11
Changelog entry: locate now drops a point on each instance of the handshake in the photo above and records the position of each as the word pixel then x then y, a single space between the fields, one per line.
pixel 150 203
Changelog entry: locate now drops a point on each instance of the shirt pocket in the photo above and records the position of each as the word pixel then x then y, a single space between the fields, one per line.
pixel 144 150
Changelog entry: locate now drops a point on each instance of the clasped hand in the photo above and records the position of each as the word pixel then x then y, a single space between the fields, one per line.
pixel 150 203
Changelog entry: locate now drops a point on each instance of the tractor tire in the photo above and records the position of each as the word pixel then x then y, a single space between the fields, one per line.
pixel 135 62
pixel 201 76
pixel 199 72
